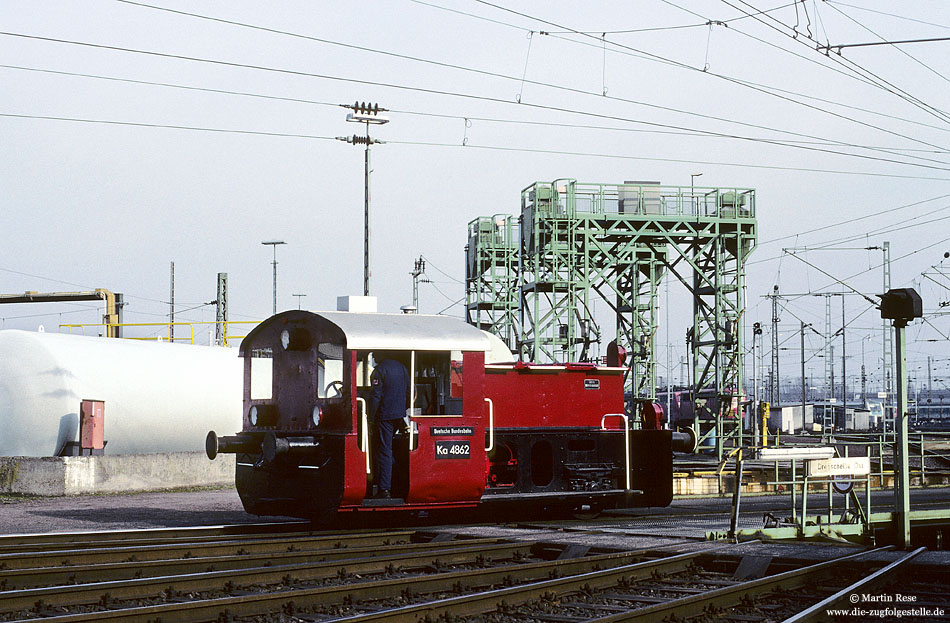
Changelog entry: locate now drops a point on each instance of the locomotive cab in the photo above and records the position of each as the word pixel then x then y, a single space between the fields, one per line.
pixel 306 445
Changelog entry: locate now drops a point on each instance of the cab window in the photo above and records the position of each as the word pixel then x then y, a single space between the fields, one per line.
pixel 262 374
pixel 329 370
pixel 434 392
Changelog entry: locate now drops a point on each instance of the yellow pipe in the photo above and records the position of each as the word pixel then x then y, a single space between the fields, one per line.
pixel 110 319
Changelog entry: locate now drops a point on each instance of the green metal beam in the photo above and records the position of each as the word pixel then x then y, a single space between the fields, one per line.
pixel 615 242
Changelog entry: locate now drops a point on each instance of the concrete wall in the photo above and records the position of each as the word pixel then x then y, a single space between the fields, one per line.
pixel 76 475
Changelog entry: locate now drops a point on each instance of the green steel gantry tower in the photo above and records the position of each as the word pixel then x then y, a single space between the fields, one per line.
pixel 533 280
pixel 491 268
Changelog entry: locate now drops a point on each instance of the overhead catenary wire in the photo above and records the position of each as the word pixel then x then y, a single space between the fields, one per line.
pixel 458 302
pixel 853 220
pixel 456 66
pixel 467 118
pixel 690 67
pixel 835 243
pixel 431 91
pixel 884 229
pixel 881 83
pixel 826 273
pixel 662 60
pixel 169 126
pixel 472 15
pixel 818 20
pixel 661 28
pixel 858 274
pixel 884 41
pixel 895 15
pixel 879 113
pixel 809 59
pixel 51 279
pixel 79 285
pixel 429 263
pixel 437 289
pixel 172 85
pixel 652 159
pixel 42 315
pixel 474 146
pixel 898 258
pixel 453 65
pixel 876 82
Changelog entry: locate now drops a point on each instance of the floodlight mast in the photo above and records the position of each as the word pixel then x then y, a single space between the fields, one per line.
pixel 368 114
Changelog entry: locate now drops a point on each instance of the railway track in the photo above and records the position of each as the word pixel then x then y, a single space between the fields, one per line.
pixel 287 573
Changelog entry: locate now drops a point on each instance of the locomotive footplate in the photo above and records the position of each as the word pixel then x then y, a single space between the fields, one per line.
pixel 564 496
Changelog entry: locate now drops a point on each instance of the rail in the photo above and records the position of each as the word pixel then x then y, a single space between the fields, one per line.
pixel 354 576
pixel 732 596
pixel 284 563
pixel 864 585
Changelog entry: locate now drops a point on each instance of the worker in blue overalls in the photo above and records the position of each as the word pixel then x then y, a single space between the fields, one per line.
pixel 390 382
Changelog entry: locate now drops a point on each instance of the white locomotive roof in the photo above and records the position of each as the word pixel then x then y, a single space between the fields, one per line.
pixel 367 331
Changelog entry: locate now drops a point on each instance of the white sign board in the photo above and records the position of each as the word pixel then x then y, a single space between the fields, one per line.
pixel 882 394
pixel 786 453
pixel 852 466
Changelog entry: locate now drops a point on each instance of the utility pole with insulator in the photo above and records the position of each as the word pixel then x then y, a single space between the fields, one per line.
pixel 369 114
pixel 171 303
pixel 756 332
pixel 417 271
pixel 221 309
pixel 775 394
pixel 930 382
pixel 804 398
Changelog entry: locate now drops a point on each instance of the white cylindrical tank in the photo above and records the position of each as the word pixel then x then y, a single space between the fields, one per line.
pixel 159 397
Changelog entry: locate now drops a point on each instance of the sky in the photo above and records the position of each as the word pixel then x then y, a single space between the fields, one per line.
pixel 138 134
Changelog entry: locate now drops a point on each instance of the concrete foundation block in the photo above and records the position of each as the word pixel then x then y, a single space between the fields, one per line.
pixel 78 475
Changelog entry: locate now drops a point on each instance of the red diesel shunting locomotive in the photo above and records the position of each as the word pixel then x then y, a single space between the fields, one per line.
pixel 477 434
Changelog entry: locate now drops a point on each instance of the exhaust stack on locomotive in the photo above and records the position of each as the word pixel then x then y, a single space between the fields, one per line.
pixel 477 432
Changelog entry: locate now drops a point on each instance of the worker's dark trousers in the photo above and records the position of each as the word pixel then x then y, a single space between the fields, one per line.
pixel 384 452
